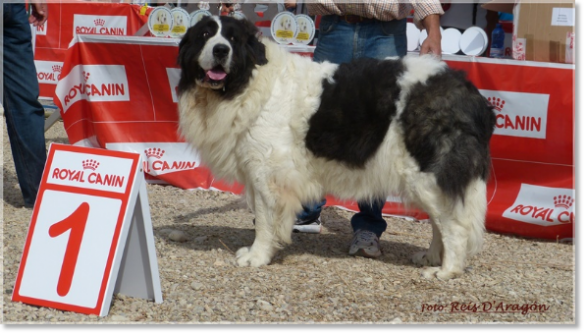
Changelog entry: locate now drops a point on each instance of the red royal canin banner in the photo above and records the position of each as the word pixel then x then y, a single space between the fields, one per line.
pixel 126 100
pixel 69 18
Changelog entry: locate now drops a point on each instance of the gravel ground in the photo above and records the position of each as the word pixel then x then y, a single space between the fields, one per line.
pixel 311 281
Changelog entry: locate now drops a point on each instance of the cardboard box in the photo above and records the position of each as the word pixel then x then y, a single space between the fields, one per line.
pixel 540 29
pixel 499 6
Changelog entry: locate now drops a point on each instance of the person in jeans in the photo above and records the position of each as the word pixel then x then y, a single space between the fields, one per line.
pixel 376 30
pixel 25 116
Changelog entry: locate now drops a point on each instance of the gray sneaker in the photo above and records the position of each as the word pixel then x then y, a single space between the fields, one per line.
pixel 366 244
pixel 308 226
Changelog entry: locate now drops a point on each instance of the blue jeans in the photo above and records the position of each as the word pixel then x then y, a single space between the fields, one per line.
pixel 25 116
pixel 341 42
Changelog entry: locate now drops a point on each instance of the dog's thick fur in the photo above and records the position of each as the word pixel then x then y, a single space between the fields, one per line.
pixel 292 130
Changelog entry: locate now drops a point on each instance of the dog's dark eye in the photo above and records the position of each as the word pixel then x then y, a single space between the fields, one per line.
pixel 232 38
pixel 205 34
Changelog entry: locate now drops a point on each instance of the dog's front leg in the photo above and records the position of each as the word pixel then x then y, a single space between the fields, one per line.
pixel 264 247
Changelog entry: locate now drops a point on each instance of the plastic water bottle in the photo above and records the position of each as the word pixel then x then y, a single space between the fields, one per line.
pixel 497 46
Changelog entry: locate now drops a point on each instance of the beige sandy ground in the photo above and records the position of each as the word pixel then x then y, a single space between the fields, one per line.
pixel 311 281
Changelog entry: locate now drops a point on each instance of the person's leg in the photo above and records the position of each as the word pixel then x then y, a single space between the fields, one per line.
pixel 385 39
pixel 309 219
pixel 336 41
pixel 370 217
pixel 25 116
pixel 311 212
pixel 376 40
pixel 335 44
pixel 368 226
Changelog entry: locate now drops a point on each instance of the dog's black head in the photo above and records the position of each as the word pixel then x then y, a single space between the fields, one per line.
pixel 219 53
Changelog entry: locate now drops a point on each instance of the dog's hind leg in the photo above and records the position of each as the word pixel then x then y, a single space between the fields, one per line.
pixel 433 255
pixel 462 232
pixel 454 240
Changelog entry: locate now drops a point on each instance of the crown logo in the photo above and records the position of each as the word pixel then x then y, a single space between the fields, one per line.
pixel 86 75
pixel 90 164
pixel 563 201
pixel 57 68
pixel 497 103
pixel 154 152
pixel 518 49
pixel 99 22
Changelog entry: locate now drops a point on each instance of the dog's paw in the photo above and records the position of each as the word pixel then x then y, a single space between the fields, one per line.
pixel 447 275
pixel 437 272
pixel 429 273
pixel 247 256
pixel 424 258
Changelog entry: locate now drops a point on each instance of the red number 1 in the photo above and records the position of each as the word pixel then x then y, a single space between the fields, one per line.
pixel 76 223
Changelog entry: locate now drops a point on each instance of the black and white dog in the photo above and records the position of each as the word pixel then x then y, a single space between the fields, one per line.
pixel 291 130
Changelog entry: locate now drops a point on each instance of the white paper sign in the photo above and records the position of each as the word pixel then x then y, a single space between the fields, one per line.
pixel 563 17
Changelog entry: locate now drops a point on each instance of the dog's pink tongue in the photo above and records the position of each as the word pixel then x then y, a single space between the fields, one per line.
pixel 216 74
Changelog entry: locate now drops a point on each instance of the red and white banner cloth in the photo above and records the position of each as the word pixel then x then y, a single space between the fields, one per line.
pixel 68 18
pixel 121 93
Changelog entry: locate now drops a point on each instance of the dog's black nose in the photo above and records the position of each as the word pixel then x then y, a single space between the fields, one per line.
pixel 221 51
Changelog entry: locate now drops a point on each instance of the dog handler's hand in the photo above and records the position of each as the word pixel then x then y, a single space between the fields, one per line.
pixel 433 42
pixel 290 4
pixel 39 13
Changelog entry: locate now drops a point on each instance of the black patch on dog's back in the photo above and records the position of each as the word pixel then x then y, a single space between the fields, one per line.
pixel 355 111
pixel 448 125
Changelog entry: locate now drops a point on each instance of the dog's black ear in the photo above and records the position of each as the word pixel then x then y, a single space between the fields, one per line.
pixel 259 51
pixel 255 47
pixel 185 59
pixel 185 55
